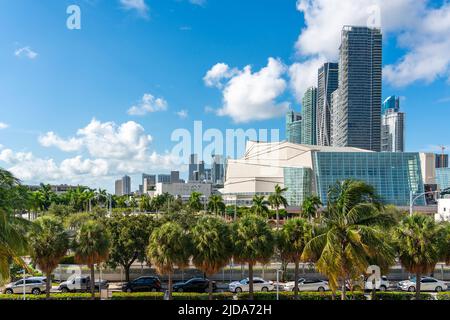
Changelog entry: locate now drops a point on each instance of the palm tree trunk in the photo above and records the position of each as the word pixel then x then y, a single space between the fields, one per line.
pixel 210 290
pixel 418 279
pixel 250 277
pixel 170 285
pixel 48 285
pixel 344 290
pixel 92 282
pixel 296 280
pixel 278 217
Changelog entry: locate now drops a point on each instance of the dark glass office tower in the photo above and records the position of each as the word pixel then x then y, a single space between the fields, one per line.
pixel 327 83
pixel 358 107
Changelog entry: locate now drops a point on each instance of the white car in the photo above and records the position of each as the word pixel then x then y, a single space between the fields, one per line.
pixel 384 284
pixel 259 284
pixel 308 285
pixel 34 285
pixel 426 284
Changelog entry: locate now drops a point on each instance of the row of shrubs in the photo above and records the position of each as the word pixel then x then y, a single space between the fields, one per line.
pixel 306 296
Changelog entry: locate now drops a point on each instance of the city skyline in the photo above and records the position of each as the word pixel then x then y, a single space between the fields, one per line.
pixel 90 114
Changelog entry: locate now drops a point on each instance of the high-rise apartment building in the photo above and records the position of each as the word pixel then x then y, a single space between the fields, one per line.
pixel 193 166
pixel 164 178
pixel 123 186
pixel 218 170
pixel 391 103
pixel 309 104
pixel 393 131
pixel 328 80
pixel 118 188
pixel 174 177
pixel 441 160
pixel 294 127
pixel 358 107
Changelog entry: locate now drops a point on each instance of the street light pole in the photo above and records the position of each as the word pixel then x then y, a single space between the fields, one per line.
pixel 412 199
pixel 278 283
pixel 24 288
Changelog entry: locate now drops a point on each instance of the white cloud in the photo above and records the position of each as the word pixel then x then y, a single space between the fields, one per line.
pixel 304 75
pixel 417 27
pixel 50 139
pixel 26 52
pixel 3 125
pixel 217 73
pixel 249 96
pixel 139 5
pixel 148 104
pixel 106 150
pixel 183 114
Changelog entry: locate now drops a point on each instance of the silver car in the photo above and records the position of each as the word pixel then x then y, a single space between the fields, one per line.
pixel 35 285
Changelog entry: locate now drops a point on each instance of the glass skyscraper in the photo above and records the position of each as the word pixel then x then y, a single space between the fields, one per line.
pixel 327 84
pixel 393 131
pixel 358 107
pixel 309 104
pixel 443 178
pixel 392 102
pixel 294 127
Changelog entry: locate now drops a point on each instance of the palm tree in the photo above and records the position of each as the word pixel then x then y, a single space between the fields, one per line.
pixel 291 240
pixel 145 203
pixel 253 242
pixel 418 241
pixel 216 204
pixel 352 236
pixel 13 241
pixel 211 240
pixel 92 247
pixel 169 245
pixel 310 206
pixel 195 202
pixel 49 243
pixel 259 206
pixel 277 200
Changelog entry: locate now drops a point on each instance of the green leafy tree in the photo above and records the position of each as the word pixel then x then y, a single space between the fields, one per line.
pixel 145 203
pixel 419 241
pixel 277 200
pixel 13 229
pixel 291 241
pixel 212 248
pixel 352 235
pixel 92 247
pixel 253 242
pixel 129 239
pixel 169 246
pixel 216 204
pixel 310 206
pixel 259 206
pixel 195 202
pixel 49 243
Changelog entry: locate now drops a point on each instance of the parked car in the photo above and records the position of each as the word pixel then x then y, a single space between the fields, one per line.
pixel 33 285
pixel 77 283
pixel 308 285
pixel 426 284
pixel 143 284
pixel 194 285
pixel 259 284
pixel 357 285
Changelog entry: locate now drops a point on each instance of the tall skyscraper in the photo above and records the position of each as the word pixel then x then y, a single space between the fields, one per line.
pixel 393 131
pixel 164 178
pixel 218 172
pixel 126 185
pixel 441 160
pixel 118 188
pixel 174 177
pixel 328 80
pixel 392 102
pixel 309 104
pixel 151 179
pixel 193 166
pixel 358 107
pixel 294 127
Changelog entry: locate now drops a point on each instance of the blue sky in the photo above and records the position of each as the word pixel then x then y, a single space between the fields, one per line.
pixel 56 80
